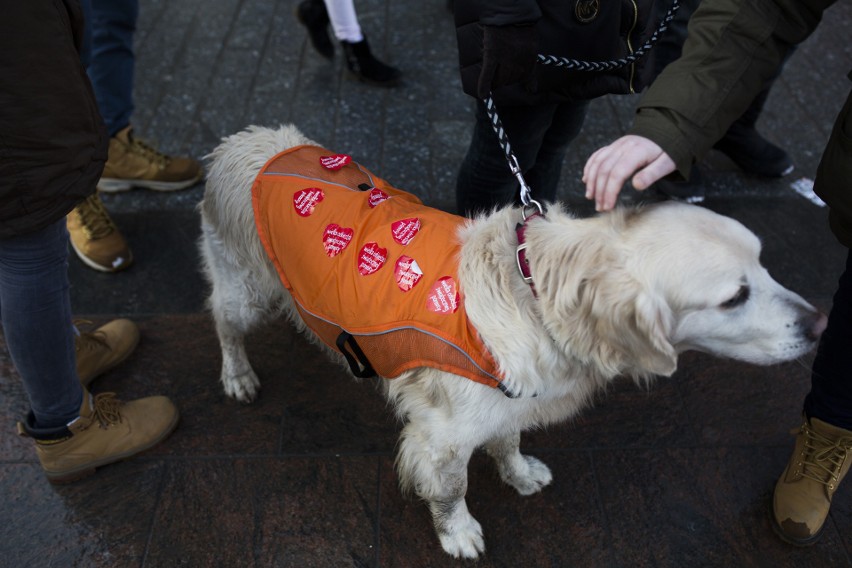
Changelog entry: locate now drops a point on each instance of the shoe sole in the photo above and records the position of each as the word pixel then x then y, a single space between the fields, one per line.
pixel 86 470
pixel 116 185
pixel 92 264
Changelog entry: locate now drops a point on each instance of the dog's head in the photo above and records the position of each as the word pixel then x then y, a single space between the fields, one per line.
pixel 629 290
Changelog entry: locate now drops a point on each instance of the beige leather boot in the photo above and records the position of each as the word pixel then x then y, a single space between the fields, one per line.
pixel 100 350
pixel 820 461
pixel 95 238
pixel 106 431
pixel 132 162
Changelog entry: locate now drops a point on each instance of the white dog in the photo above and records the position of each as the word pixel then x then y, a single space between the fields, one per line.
pixel 617 294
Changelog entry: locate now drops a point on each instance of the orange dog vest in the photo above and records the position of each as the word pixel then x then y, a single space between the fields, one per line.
pixel 373 271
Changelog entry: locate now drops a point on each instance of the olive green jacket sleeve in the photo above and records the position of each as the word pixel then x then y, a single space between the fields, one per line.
pixel 734 47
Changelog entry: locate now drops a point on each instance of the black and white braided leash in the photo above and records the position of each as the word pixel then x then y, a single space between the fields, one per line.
pixel 569 65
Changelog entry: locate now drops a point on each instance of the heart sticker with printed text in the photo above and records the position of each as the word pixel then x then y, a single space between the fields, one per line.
pixel 405 230
pixel 335 162
pixel 336 238
pixel 371 258
pixel 444 296
pixel 407 272
pixel 305 200
pixel 376 196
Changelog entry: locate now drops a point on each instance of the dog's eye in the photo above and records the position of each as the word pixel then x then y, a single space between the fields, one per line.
pixel 738 300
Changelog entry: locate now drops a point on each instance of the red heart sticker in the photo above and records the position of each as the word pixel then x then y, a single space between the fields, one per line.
pixel 405 230
pixel 335 162
pixel 336 238
pixel 305 200
pixel 371 258
pixel 407 273
pixel 444 296
pixel 376 196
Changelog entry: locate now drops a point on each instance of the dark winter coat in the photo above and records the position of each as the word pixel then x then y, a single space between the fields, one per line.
pixel 52 140
pixel 614 30
pixel 748 40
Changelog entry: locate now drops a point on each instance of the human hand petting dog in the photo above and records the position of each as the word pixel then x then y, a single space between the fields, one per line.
pixel 609 167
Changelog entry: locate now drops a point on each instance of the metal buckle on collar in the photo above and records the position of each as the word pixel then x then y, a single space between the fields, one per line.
pixel 523 268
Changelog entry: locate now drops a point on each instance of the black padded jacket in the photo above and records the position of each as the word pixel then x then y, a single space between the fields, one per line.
pixel 53 143
pixel 586 30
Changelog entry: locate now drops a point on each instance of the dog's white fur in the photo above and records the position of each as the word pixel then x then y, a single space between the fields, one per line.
pixel 617 294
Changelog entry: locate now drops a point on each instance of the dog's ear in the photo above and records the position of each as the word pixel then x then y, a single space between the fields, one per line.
pixel 598 312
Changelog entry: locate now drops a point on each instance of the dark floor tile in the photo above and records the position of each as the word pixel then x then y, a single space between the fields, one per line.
pixel 700 507
pixel 325 409
pixel 13 407
pixel 561 526
pixel 101 521
pixel 732 403
pixel 625 415
pixel 165 276
pixel 840 518
pixel 309 512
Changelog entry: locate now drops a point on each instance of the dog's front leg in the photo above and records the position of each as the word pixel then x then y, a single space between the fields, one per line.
pixel 437 472
pixel 238 377
pixel 525 473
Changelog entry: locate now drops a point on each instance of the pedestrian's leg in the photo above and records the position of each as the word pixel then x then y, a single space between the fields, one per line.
pixel 113 63
pixel 543 177
pixel 485 180
pixel 823 449
pixel 830 398
pixel 35 308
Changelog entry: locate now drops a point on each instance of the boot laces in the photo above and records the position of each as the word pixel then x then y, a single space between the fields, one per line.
pixel 94 218
pixel 90 341
pixel 107 409
pixel 823 457
pixel 139 146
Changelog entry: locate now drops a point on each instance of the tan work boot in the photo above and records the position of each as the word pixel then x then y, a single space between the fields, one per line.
pixel 101 350
pixel 803 494
pixel 106 431
pixel 134 163
pixel 96 239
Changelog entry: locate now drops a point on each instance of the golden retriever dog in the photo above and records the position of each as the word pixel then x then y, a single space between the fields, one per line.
pixel 618 294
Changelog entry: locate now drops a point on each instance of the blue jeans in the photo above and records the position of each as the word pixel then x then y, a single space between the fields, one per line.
pixel 830 398
pixel 539 136
pixel 109 58
pixel 35 309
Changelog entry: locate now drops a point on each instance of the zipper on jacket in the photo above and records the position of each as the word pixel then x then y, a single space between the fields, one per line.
pixel 630 46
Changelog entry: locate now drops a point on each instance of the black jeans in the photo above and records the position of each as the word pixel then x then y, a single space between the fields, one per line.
pixel 830 398
pixel 539 136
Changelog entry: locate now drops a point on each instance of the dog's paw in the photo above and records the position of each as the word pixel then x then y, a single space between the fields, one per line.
pixel 529 477
pixel 463 539
pixel 243 387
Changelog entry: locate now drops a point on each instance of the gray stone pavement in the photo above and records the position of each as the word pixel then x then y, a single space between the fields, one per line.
pixel 678 475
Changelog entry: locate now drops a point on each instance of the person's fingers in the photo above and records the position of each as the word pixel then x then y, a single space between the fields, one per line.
pixel 662 166
pixel 608 169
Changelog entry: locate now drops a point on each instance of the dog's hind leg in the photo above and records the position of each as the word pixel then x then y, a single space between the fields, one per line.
pixel 238 306
pixel 526 474
pixel 438 474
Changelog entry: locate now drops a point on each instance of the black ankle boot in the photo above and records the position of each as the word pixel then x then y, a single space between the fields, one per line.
pixel 365 67
pixel 313 15
pixel 754 153
pixel 751 151
pixel 688 191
